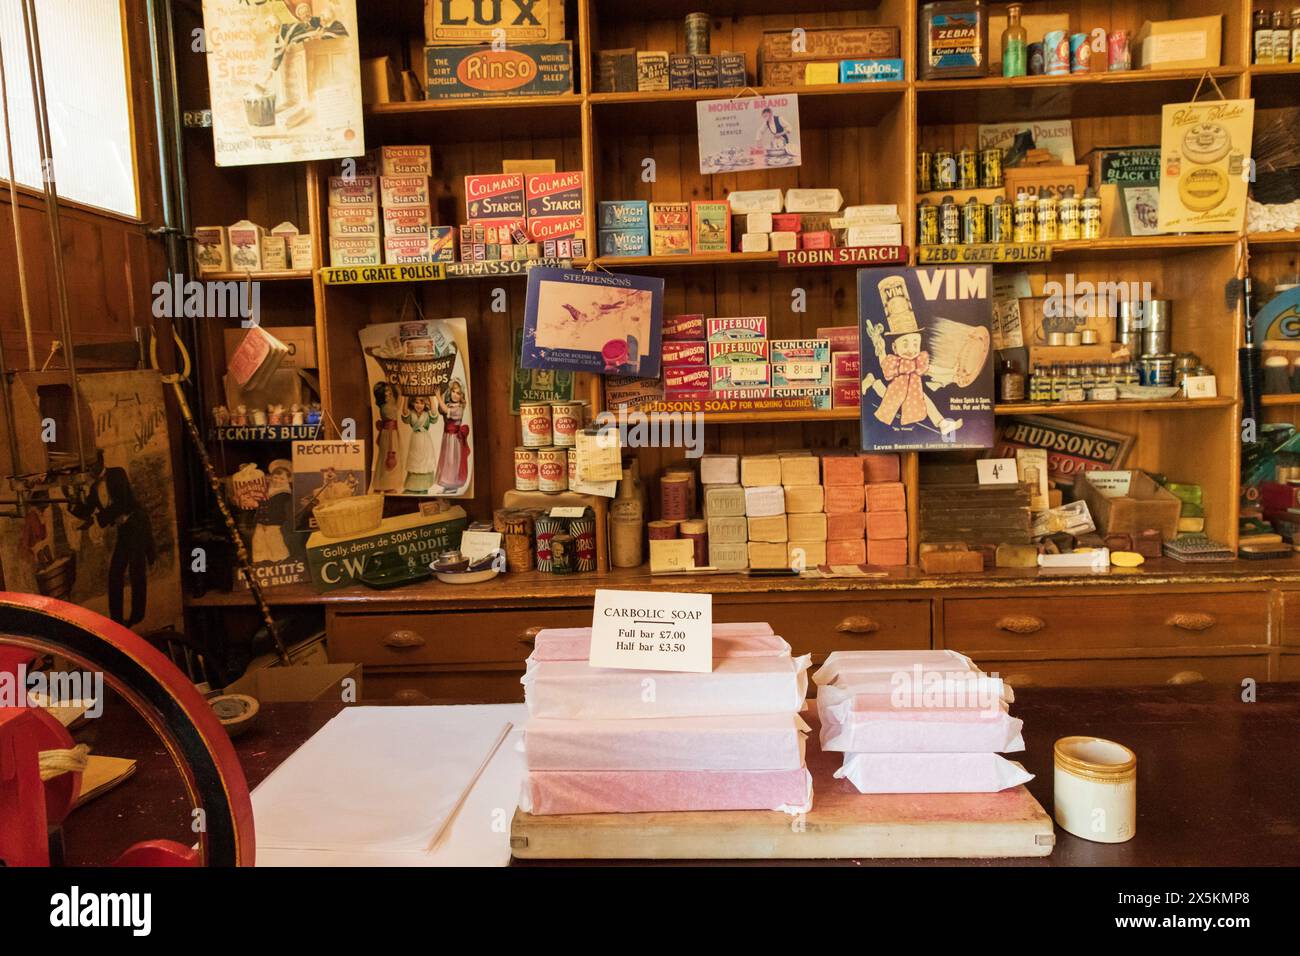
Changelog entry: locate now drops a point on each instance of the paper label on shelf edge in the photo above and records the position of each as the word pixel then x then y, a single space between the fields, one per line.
pixel 568 511
pixel 997 471
pixel 652 630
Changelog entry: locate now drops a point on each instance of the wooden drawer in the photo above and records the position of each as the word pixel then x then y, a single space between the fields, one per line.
pixel 1290 629
pixel 388 639
pixel 1128 672
pixel 1056 625
pixel 818 627
pixel 1288 667
pixel 461 686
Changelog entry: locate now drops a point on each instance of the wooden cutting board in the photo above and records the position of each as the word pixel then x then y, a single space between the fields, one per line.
pixel 843 824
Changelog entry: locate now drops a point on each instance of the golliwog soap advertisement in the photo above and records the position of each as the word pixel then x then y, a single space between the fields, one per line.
pixel 927 370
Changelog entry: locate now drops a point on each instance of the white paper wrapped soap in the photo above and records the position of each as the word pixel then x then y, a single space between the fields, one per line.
pixel 729 640
pixel 813 200
pixel 720 470
pixel 631 791
pixel 931 773
pixel 573 690
pixel 887 662
pixel 759 742
pixel 745 201
pixel 853 728
pixel 764 501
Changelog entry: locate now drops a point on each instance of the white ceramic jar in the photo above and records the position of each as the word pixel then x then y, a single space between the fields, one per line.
pixel 1095 789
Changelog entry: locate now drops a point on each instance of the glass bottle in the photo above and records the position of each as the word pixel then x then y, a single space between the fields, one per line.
pixel 1295 34
pixel 1011 383
pixel 1262 31
pixel 1281 37
pixel 1015 44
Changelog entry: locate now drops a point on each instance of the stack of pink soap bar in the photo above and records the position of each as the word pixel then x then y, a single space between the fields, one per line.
pixel 918 722
pixel 601 740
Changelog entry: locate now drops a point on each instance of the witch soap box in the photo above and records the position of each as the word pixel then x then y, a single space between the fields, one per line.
pixel 601 322
pixel 927 378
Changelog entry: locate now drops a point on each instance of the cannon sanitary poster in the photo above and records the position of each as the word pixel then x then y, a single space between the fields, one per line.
pixel 927 375
pixel 285 78
pixel 593 322
pixel 423 430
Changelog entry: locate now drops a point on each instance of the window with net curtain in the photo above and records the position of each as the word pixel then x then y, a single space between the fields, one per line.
pixel 88 96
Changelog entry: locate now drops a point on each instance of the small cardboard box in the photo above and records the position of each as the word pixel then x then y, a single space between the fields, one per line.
pixel 301 340
pixel 1128 502
pixel 299 682
pixel 514 21
pixel 1187 44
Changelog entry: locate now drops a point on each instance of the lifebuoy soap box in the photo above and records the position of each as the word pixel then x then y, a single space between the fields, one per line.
pixel 470 72
pixel 926 358
pixel 415 538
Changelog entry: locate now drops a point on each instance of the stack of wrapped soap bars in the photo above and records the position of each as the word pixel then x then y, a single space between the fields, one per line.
pixel 603 740
pixel 918 722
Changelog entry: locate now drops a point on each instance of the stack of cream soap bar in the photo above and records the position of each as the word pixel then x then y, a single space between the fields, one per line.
pixel 918 722
pixel 604 740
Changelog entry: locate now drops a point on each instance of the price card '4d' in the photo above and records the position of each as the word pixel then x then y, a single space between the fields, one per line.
pixel 652 630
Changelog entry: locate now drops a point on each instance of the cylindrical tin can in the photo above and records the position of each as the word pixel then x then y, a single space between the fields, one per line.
pixel 1128 324
pixel 1157 369
pixel 552 469
pixel 968 169
pixel 1090 217
pixel 1156 327
pixel 546 528
pixel 1119 51
pixel 698 28
pixel 927 224
pixel 974 219
pixel 1023 230
pixel 674 497
pixel 990 168
pixel 535 424
pixel 661 530
pixel 563 553
pixel 1037 62
pixel 584 540
pixel 949 222
pixel 1056 53
pixel 1000 227
pixel 924 171
pixel 525 469
pixel 945 170
pixel 566 419
pixel 698 533
pixel 1068 213
pixel 1080 53
pixel 1046 222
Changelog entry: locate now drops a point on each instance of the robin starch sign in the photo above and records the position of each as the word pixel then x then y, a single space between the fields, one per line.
pixel 927 377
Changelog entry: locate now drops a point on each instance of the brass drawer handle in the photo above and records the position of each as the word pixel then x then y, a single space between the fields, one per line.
pixel 401 640
pixel 1192 620
pixel 857 624
pixel 1021 624
pixel 410 696
pixel 1187 677
pixel 529 636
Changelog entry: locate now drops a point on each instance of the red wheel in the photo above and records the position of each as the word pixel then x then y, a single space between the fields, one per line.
pixel 164 697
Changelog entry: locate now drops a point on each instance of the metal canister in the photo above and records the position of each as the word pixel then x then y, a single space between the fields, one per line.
pixel 566 420
pixel 927 223
pixel 545 530
pixel 563 553
pixel 974 220
pixel 1068 213
pixel 945 170
pixel 552 469
pixel 1080 53
pixel 1023 230
pixel 1119 51
pixel 1156 327
pixel 1035 59
pixel 584 540
pixel 924 171
pixel 535 423
pixel 1000 227
pixel 990 168
pixel 949 222
pixel 525 469
pixel 1157 369
pixel 1056 53
pixel 698 29
pixel 1128 324
pixel 1090 216
pixel 1185 364
pixel 968 169
pixel 1046 219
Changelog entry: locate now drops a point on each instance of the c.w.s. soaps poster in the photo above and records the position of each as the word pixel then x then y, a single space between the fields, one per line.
pixel 927 378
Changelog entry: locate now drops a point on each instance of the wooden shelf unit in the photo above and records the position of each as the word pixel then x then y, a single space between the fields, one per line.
pixel 861 139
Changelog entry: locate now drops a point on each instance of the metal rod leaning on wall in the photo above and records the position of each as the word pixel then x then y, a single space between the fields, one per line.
pixel 18 233
pixel 46 148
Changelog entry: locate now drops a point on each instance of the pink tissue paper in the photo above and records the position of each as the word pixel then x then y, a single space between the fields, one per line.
pixel 573 690
pixel 931 773
pixel 841 663
pixel 849 726
pixel 765 742
pixel 729 640
pixel 621 791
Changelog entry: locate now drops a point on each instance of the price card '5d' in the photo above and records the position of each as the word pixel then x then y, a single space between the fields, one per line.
pixel 652 630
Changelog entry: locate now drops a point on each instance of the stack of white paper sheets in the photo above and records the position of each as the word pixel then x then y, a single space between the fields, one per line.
pixel 605 740
pixel 918 722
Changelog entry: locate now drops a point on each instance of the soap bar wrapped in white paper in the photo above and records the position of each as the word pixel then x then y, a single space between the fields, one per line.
pixel 624 791
pixel 839 663
pixel 729 640
pixel 720 470
pixel 764 501
pixel 931 773
pixel 761 742
pixel 570 690
pixel 848 726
